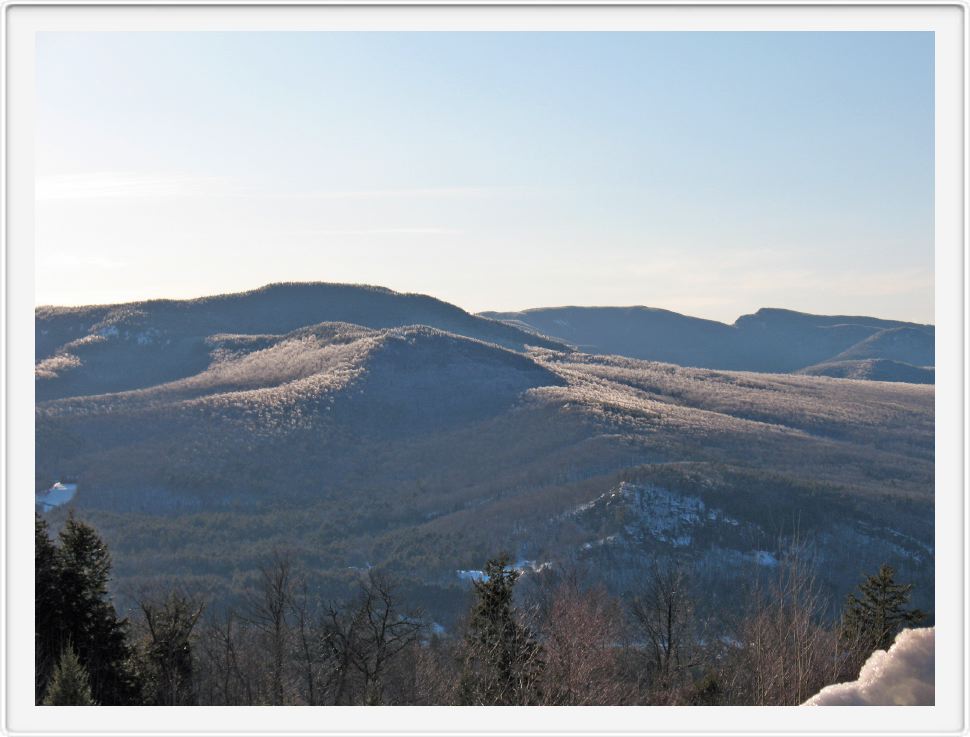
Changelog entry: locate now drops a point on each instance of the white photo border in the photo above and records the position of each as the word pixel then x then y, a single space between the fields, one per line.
pixel 21 19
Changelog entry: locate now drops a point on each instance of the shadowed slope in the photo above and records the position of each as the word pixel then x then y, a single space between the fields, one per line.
pixel 913 346
pixel 770 340
pixel 873 369
pixel 637 332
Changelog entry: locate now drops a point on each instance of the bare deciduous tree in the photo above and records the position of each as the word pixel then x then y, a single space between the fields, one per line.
pixel 582 636
pixel 268 611
pixel 228 681
pixel 306 639
pixel 663 617
pixel 785 653
pixel 167 654
pixel 362 640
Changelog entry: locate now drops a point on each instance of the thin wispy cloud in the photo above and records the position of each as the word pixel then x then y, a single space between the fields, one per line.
pixel 373 232
pixel 104 185
pixel 403 193
pixel 97 185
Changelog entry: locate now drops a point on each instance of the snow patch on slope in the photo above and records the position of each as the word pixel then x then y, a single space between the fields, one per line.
pixel 655 513
pixel 471 575
pixel 60 493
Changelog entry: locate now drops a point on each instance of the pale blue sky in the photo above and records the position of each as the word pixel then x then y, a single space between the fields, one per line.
pixel 709 173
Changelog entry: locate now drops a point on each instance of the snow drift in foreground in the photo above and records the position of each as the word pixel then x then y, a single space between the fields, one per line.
pixel 901 676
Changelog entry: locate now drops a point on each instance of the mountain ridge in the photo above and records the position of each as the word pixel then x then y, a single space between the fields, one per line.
pixel 768 340
pixel 85 350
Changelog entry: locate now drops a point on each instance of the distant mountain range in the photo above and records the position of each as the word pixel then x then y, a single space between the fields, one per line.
pixel 770 340
pixel 359 427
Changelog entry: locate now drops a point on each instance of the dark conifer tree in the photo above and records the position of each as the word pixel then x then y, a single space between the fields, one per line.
pixel 502 659
pixel 872 620
pixel 47 607
pixel 87 617
pixel 70 685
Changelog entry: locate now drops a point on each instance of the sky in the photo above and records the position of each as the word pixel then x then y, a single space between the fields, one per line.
pixel 707 173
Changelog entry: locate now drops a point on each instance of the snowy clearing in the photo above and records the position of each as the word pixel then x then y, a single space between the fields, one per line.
pixel 60 493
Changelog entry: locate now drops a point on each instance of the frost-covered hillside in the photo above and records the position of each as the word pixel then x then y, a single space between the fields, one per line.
pixel 427 448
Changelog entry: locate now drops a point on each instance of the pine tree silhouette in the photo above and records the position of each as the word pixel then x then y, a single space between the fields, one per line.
pixel 871 621
pixel 70 685
pixel 73 607
pixel 503 660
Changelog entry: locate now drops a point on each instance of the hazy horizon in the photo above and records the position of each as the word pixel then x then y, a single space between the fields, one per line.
pixel 520 309
pixel 710 174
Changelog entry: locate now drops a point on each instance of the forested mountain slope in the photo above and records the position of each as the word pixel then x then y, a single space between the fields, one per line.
pixel 98 349
pixel 425 451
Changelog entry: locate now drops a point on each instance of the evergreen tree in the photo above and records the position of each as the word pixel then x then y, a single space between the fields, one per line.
pixel 87 618
pixel 871 621
pixel 502 659
pixel 47 607
pixel 70 685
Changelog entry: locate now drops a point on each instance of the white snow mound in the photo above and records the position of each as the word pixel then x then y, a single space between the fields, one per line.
pixel 900 676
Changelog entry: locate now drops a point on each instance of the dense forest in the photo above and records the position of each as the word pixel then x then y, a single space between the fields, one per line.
pixel 562 641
